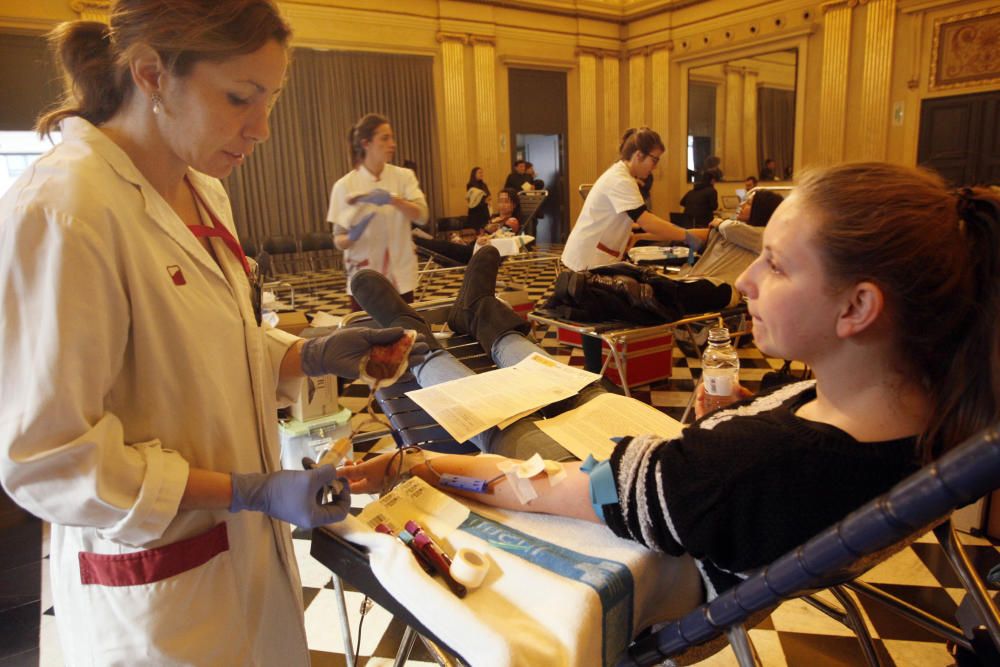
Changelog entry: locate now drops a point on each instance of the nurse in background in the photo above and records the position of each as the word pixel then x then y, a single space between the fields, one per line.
pixel 138 398
pixel 371 208
pixel 614 207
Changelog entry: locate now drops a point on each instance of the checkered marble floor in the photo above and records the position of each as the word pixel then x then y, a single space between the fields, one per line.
pixel 794 635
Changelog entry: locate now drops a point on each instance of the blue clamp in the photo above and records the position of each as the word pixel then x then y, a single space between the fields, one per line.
pixel 603 490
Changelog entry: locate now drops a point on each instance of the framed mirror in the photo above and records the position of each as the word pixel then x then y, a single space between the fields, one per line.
pixel 741 117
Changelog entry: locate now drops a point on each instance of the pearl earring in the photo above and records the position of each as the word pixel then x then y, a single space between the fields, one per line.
pixel 157 102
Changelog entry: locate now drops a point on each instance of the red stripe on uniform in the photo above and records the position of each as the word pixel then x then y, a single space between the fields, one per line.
pixel 147 567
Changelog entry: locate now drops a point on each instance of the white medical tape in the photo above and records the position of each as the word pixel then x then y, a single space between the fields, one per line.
pixel 555 472
pixel 469 568
pixel 522 487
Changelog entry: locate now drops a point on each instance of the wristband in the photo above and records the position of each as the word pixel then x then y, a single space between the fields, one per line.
pixel 603 490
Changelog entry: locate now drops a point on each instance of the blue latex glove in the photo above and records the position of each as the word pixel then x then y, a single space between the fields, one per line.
pixel 378 196
pixel 295 496
pixel 341 352
pixel 355 232
pixel 694 245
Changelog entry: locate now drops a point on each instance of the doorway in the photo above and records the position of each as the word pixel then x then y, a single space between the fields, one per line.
pixel 544 152
pixel 960 138
pixel 538 128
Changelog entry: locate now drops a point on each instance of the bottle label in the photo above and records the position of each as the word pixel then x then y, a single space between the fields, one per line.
pixel 720 382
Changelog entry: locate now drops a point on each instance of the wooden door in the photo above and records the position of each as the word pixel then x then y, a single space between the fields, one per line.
pixel 960 138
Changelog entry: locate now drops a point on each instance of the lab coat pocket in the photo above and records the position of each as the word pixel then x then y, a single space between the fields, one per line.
pixel 176 604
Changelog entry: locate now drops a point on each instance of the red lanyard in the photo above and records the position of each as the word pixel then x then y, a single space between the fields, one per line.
pixel 217 230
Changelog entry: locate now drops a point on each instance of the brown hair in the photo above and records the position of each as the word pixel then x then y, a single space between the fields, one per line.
pixel 764 203
pixel 639 139
pixel 364 130
pixel 936 256
pixel 95 57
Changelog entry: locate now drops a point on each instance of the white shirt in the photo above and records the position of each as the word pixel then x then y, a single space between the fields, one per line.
pixel 387 244
pixel 128 356
pixel 603 228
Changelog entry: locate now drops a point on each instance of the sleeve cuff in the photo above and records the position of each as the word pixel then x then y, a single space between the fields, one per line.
pixel 159 497
pixel 278 342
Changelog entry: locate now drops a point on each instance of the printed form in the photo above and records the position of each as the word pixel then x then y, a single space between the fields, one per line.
pixel 468 406
pixel 589 428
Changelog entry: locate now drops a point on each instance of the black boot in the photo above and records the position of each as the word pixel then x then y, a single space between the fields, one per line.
pixel 637 294
pixel 492 319
pixel 379 298
pixel 480 281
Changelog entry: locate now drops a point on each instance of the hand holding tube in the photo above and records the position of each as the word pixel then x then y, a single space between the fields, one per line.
pixel 294 496
pixel 341 352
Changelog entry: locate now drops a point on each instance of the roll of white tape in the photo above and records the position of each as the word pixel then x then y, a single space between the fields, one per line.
pixel 469 568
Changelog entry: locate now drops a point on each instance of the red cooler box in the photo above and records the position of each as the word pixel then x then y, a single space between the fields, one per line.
pixel 519 301
pixel 568 337
pixel 649 358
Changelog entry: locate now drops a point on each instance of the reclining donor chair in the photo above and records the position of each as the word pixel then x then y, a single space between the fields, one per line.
pixel 833 559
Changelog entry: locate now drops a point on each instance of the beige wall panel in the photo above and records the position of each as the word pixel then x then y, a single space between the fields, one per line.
pixel 912 56
pixel 35 16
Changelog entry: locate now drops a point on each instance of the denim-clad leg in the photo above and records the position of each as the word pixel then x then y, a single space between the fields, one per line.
pixel 522 439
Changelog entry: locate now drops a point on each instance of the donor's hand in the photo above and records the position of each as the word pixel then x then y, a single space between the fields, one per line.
pixel 705 402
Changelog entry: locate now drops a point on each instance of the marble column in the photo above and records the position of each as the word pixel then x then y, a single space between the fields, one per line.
pixel 611 89
pixel 455 113
pixel 833 82
pixel 880 27
pixel 749 134
pixel 730 146
pixel 487 136
pixel 637 89
pixel 589 140
pixel 659 113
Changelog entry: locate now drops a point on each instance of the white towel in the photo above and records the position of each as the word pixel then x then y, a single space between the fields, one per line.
pixel 525 614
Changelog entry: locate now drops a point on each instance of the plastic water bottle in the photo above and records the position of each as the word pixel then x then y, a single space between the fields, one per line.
pixel 720 369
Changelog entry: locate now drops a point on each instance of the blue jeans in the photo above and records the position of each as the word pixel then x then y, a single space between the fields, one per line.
pixel 523 438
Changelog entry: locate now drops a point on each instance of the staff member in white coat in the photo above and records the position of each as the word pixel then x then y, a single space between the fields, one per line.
pixel 138 398
pixel 371 208
pixel 615 207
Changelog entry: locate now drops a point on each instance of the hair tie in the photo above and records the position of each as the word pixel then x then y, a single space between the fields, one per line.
pixel 966 204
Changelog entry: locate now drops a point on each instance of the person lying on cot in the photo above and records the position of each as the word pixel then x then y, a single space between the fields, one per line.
pixel 889 293
pixel 502 225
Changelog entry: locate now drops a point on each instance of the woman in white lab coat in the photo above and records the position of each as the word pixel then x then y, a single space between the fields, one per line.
pixel 371 208
pixel 137 402
pixel 615 208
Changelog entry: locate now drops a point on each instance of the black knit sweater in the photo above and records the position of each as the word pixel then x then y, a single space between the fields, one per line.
pixel 748 483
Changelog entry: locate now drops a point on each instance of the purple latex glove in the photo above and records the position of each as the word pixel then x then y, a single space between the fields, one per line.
pixel 295 496
pixel 355 232
pixel 378 196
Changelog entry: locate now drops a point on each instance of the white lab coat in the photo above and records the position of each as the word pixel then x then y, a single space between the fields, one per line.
pixel 602 231
pixel 386 245
pixel 119 374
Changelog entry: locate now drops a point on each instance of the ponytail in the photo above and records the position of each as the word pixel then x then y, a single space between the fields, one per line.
pixel 96 86
pixel 970 389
